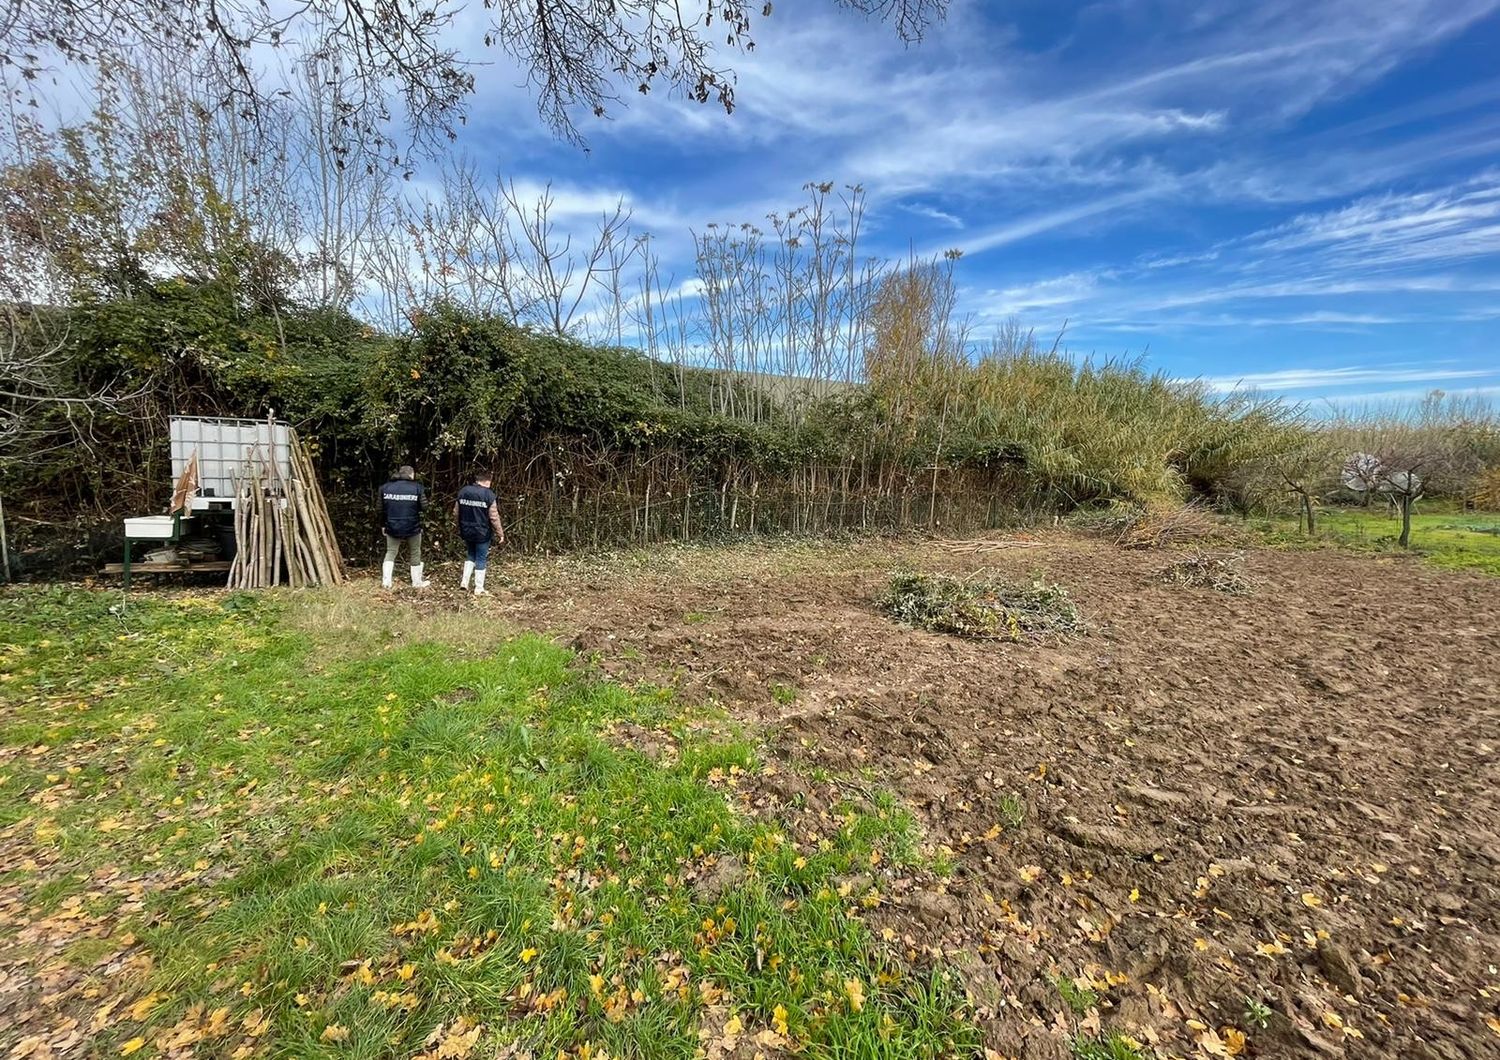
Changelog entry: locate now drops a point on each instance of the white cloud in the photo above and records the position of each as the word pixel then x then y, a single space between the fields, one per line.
pixel 1326 378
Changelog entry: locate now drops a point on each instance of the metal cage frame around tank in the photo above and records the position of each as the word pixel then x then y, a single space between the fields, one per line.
pixel 224 445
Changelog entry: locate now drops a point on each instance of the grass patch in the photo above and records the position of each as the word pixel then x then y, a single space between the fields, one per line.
pixel 984 607
pixel 1012 810
pixel 1110 1047
pixel 1076 995
pixel 338 839
pixel 1443 538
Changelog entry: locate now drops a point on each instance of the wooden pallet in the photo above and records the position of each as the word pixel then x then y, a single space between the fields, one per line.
pixel 209 566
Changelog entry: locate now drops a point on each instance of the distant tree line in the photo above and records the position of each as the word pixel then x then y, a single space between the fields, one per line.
pixel 166 256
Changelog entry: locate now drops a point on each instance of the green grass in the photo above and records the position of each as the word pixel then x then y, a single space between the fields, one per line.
pixel 1444 538
pixel 1111 1047
pixel 320 836
pixel 1076 995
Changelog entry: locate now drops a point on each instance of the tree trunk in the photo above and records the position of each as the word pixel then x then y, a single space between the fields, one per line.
pixel 1307 509
pixel 1406 520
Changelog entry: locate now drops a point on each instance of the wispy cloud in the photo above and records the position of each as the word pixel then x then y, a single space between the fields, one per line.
pixel 1185 174
pixel 1324 379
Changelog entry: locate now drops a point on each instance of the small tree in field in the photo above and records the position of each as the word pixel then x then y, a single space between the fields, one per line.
pixel 1397 470
pixel 1304 472
pixel 1401 480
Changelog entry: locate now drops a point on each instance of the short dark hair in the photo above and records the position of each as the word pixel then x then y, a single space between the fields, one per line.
pixel 483 476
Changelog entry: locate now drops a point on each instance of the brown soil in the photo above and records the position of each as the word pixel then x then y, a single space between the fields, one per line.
pixel 1291 796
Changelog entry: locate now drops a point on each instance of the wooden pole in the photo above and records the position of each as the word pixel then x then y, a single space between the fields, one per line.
pixel 234 564
pixel 304 467
pixel 4 544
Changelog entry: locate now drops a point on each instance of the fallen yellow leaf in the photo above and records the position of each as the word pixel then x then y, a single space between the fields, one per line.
pixel 856 991
pixel 132 1046
pixel 1311 900
pixel 528 955
pixel 1234 1040
pixel 141 1008
pixel 335 1032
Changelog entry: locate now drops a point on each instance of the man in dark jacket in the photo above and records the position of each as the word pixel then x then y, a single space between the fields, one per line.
pixel 479 526
pixel 401 505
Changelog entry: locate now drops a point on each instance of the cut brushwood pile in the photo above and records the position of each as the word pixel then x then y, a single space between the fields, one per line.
pixel 977 547
pixel 283 534
pixel 1165 527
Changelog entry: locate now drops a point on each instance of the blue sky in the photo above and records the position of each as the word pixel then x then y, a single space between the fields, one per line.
pixel 1304 196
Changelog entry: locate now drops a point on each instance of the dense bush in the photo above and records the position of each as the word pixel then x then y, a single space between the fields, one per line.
pixel 598 444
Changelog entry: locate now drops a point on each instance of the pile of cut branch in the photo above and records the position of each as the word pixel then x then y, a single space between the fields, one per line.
pixel 987 608
pixel 283 534
pixel 1163 527
pixel 1202 570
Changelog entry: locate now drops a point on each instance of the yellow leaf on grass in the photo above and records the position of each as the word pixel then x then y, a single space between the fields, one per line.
pixel 856 991
pixel 778 1019
pixel 141 1008
pixel 335 1032
pixel 733 1027
pixel 132 1046
pixel 460 1039
pixel 1311 900
pixel 528 955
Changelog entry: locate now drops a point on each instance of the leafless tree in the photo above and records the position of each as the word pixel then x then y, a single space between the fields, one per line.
pixel 578 55
pixel 43 406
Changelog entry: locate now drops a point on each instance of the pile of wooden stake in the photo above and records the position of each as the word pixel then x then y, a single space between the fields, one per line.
pixel 282 531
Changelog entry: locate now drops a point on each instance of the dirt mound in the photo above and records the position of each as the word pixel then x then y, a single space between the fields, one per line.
pixel 1272 815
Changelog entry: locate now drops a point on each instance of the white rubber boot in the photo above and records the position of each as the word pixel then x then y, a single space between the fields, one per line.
pixel 463 583
pixel 387 572
pixel 479 583
pixel 417 581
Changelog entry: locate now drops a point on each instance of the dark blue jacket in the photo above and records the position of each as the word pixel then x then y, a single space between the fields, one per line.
pixel 401 503
pixel 478 518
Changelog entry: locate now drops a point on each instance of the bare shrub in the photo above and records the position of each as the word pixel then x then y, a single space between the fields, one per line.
pixel 1487 490
pixel 1163 526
